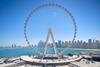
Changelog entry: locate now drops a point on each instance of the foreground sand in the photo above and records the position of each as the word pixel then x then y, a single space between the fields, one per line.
pixel 81 63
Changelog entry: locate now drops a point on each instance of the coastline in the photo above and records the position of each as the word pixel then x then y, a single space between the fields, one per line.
pixel 12 48
pixel 43 48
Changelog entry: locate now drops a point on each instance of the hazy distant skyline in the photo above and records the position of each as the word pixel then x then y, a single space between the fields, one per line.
pixel 14 12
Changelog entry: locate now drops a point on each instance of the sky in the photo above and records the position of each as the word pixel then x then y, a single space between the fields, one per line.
pixel 14 12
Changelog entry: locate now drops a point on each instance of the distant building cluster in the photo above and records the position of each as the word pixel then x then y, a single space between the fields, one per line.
pixel 91 44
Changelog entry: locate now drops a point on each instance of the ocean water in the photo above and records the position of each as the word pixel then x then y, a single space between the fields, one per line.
pixel 15 52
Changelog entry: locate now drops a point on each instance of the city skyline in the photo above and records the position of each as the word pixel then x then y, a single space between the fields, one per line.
pixel 90 44
pixel 79 43
pixel 14 12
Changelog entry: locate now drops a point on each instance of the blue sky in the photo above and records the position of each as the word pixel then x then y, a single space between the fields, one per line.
pixel 14 12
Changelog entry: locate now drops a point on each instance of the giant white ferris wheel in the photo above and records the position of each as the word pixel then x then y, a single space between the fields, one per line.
pixel 45 60
pixel 49 5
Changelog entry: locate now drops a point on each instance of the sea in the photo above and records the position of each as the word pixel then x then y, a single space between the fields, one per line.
pixel 16 52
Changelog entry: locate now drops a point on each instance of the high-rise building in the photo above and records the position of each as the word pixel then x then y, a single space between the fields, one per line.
pixel 41 43
pixel 89 41
pixel 59 43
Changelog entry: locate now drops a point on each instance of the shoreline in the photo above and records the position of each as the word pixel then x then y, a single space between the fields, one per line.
pixel 12 48
pixel 43 48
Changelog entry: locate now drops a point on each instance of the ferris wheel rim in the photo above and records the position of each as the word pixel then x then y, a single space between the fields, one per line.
pixel 49 5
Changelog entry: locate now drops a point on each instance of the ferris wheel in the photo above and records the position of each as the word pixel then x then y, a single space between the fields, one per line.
pixel 49 5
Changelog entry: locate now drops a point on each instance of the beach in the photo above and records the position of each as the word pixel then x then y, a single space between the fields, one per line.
pixel 17 62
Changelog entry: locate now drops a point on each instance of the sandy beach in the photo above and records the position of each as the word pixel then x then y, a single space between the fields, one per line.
pixel 20 63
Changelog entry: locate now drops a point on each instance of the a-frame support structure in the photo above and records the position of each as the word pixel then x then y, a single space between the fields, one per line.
pixel 53 41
